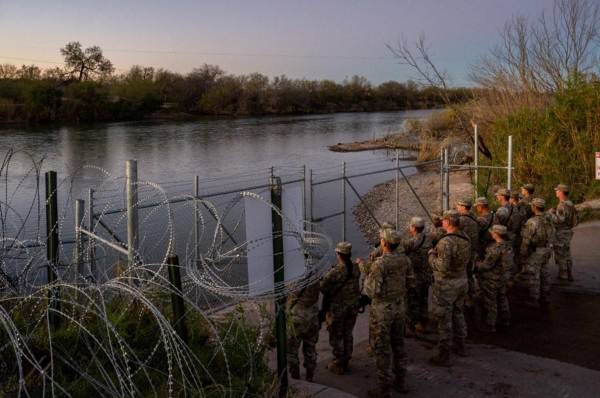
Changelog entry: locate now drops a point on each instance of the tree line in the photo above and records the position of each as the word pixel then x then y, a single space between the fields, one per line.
pixel 86 89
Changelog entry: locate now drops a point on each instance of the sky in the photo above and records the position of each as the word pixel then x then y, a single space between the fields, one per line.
pixel 315 39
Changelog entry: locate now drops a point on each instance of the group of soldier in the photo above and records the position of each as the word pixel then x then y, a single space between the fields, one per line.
pixel 462 255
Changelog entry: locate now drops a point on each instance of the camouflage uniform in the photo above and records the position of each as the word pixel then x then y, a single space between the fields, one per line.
pixel 485 223
pixel 492 277
pixel 469 226
pixel 386 286
pixel 564 219
pixel 449 265
pixel 525 207
pixel 535 253
pixel 303 328
pixel 341 316
pixel 416 248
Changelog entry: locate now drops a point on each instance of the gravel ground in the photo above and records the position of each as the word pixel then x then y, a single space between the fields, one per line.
pixel 381 200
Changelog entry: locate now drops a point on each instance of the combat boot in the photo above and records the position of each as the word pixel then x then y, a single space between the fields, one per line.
pixel 442 358
pixel 334 368
pixel 310 375
pixel 380 392
pixel 459 349
pixel 294 372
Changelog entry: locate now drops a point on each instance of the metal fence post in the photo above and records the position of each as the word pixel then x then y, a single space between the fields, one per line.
pixel 343 201
pixel 476 159
pixel 279 279
pixel 446 180
pixel 91 242
pixel 52 245
pixel 177 303
pixel 131 174
pixel 509 165
pixel 311 214
pixel 79 208
pixel 397 190
pixel 442 179
pixel 196 230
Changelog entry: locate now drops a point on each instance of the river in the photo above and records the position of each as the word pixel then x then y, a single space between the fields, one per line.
pixel 171 152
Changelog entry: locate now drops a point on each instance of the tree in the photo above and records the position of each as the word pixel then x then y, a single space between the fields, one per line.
pixel 85 64
pixel 8 71
pixel 29 72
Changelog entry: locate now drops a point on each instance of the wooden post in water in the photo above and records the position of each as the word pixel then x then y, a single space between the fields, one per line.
pixel 177 303
pixel 279 279
pixel 52 246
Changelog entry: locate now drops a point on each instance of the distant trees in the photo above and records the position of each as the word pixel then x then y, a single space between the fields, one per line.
pixel 85 64
pixel 86 90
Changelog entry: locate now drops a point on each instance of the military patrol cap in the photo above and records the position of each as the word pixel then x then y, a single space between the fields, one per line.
pixel 417 222
pixel 499 229
pixel 503 192
pixel 467 202
pixel 482 201
pixel 387 235
pixel 562 188
pixel 515 195
pixel 451 215
pixel 528 187
pixel 539 203
pixel 343 248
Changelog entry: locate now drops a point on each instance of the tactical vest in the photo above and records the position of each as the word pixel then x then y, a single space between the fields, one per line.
pixel 394 267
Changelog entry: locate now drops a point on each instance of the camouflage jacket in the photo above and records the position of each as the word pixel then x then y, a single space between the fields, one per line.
pixel 451 257
pixel 510 217
pixel 538 232
pixel 435 234
pixel 498 260
pixel 390 277
pixel 342 286
pixel 525 207
pixel 416 248
pixel 565 217
pixel 470 227
pixel 303 304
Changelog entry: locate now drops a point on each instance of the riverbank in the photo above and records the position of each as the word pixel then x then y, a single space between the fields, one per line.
pixel 381 200
pixel 404 141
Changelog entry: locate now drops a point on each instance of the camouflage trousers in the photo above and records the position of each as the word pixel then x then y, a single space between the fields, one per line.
pixel 471 275
pixel 562 252
pixel 495 302
pixel 536 274
pixel 386 336
pixel 448 305
pixel 303 332
pixel 340 328
pixel 418 311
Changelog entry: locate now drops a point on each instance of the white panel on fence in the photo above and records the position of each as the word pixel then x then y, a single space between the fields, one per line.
pixel 293 209
pixel 260 256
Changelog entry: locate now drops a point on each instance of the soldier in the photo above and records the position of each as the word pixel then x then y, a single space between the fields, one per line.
pixel 449 260
pixel 416 248
pixel 504 211
pixel 376 252
pixel 485 219
pixel 386 287
pixel 303 328
pixel 527 191
pixel 492 276
pixel 470 227
pixel 564 219
pixel 517 220
pixel 535 253
pixel 436 231
pixel 341 292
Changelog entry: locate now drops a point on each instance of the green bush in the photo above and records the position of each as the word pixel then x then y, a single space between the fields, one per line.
pixel 555 144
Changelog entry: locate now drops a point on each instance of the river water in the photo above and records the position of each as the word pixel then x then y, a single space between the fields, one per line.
pixel 174 152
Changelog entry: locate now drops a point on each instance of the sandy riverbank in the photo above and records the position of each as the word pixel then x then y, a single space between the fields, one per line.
pixel 381 200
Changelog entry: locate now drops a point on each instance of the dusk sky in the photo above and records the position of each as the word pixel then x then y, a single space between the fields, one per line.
pixel 320 39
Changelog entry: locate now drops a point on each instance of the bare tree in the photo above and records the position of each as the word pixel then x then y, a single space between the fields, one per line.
pixel 85 64
pixel 429 74
pixel 542 55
